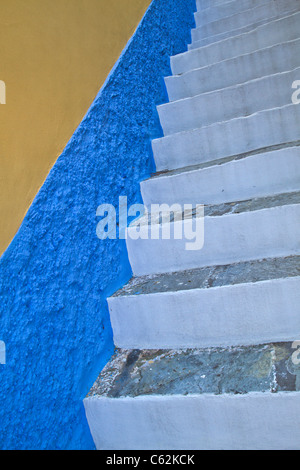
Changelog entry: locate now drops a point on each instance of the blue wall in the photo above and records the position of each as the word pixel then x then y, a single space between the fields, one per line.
pixel 56 274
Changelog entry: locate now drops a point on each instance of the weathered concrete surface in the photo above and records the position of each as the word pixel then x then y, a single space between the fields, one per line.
pixel 263 62
pixel 236 18
pixel 239 370
pixel 221 161
pixel 275 32
pixel 215 210
pixel 273 172
pixel 213 276
pixel 238 399
pixel 213 12
pixel 244 99
pixel 224 240
pixel 228 5
pixel 250 19
pixel 249 134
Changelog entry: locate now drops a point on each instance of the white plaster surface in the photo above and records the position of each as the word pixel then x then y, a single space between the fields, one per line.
pixel 269 92
pixel 254 176
pixel 275 32
pixel 236 136
pixel 212 12
pixel 256 421
pixel 232 315
pixel 268 61
pixel 236 18
pixel 228 239
pixel 2 353
pixel 264 12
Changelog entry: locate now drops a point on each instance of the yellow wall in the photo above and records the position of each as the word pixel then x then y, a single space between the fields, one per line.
pixel 54 57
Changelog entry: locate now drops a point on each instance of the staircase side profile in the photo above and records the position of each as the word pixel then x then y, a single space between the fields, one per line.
pixel 206 330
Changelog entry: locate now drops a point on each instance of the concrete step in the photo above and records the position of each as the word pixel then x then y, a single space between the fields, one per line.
pixel 205 40
pixel 275 32
pixel 202 4
pixel 272 91
pixel 206 356
pixel 258 175
pixel 249 18
pixel 218 12
pixel 265 31
pixel 208 40
pixel 245 303
pixel 203 37
pixel 236 398
pixel 250 134
pixel 268 61
pixel 228 233
pixel 238 19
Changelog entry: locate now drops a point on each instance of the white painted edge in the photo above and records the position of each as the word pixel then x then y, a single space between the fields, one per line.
pixel 206 422
pixel 227 239
pixel 233 315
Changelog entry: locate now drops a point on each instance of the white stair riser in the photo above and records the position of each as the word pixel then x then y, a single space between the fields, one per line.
pixel 271 60
pixel 252 313
pixel 202 39
pixel 209 127
pixel 222 105
pixel 218 12
pixel 239 20
pixel 227 239
pixel 254 421
pixel 266 34
pixel 236 18
pixel 235 137
pixel 276 32
pixel 255 176
pixel 207 41
pixel 202 4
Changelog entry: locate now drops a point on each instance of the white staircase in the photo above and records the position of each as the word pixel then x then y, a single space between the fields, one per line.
pixel 204 337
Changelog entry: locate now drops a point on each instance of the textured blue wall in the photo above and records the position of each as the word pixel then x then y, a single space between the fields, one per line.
pixel 56 274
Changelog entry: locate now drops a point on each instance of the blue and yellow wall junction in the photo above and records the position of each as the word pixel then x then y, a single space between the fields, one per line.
pixel 55 274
